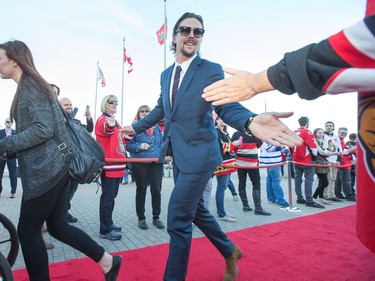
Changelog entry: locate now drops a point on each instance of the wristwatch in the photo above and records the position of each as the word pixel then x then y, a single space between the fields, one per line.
pixel 247 126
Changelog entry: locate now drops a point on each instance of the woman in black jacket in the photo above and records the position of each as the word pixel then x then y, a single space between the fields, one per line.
pixel 44 172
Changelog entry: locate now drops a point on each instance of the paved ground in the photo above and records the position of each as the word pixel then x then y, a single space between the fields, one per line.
pixel 85 207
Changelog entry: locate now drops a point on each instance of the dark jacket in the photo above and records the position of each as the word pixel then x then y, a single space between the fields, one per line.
pixel 38 119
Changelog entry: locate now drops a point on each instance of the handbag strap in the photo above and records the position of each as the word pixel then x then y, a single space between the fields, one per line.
pixel 122 146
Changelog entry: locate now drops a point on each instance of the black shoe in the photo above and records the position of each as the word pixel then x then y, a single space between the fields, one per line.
pixel 314 205
pixel 351 198
pixel 301 201
pixel 112 235
pixel 340 196
pixel 143 224
pixel 116 227
pixel 111 275
pixel 246 208
pixel 158 223
pixel 261 212
pixel 72 219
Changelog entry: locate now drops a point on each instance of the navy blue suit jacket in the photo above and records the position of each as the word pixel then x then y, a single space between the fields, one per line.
pixel 189 126
pixel 3 134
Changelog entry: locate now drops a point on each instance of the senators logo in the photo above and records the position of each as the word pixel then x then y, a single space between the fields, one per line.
pixel 366 130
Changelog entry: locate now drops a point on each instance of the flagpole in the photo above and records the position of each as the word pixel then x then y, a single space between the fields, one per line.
pixel 165 33
pixel 96 89
pixel 122 83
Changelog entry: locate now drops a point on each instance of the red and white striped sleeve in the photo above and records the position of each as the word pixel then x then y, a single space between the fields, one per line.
pixel 345 62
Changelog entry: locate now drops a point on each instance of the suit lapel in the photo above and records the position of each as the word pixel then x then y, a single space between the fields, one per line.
pixel 166 91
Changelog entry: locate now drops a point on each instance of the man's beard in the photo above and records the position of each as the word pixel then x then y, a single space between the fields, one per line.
pixel 188 54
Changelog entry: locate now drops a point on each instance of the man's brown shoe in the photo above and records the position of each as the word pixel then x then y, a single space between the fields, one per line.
pixel 231 271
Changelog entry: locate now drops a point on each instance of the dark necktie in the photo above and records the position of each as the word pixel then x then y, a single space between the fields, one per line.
pixel 176 81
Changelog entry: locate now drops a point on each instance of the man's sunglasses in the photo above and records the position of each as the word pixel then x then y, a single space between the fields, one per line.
pixel 185 31
pixel 144 111
pixel 112 102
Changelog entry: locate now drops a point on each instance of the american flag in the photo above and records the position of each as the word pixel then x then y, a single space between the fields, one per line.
pixel 101 77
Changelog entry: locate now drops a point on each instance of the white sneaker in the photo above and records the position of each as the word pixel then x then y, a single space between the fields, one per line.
pixel 326 202
pixel 227 218
pixel 235 198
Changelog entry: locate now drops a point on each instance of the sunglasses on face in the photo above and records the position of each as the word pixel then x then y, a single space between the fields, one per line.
pixel 186 30
pixel 144 111
pixel 8 121
pixel 112 102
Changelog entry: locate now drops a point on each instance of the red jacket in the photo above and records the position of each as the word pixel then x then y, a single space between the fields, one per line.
pixel 345 158
pixel 108 137
pixel 302 153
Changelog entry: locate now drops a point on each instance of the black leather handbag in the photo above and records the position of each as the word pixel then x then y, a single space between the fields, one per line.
pixel 84 154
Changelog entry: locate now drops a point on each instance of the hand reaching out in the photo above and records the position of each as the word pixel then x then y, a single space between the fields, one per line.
pixel 267 127
pixel 242 85
pixel 127 131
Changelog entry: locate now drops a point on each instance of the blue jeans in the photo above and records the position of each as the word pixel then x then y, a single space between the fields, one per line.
pixel 207 194
pixel 273 186
pixel 110 188
pixel 231 187
pixel 343 183
pixel 309 172
pixel 222 184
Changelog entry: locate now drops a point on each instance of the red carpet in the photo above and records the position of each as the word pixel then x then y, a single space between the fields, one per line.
pixel 317 247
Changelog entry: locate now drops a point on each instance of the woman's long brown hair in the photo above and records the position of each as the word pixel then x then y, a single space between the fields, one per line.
pixel 21 54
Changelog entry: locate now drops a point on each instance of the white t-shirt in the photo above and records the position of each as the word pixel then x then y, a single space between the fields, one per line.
pixel 331 143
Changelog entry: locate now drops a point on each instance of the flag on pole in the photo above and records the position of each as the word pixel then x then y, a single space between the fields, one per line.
pixel 162 33
pixel 129 61
pixel 101 77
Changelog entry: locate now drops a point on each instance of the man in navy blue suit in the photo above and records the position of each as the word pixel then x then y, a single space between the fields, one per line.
pixel 191 138
pixel 10 162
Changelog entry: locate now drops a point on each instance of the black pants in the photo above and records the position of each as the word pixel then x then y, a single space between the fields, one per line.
pixel 50 207
pixel 144 174
pixel 322 184
pixel 242 177
pixel 12 168
pixel 72 189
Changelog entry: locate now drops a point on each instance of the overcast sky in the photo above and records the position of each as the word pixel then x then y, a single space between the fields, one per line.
pixel 68 37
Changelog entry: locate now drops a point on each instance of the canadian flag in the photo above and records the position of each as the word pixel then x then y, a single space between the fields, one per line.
pixel 161 33
pixel 129 61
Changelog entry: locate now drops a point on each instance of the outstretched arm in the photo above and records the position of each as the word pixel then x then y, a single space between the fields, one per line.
pixel 342 63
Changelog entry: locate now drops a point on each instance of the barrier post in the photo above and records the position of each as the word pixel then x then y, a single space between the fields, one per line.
pixel 290 194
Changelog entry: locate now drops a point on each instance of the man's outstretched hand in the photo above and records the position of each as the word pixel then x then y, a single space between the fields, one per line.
pixel 268 127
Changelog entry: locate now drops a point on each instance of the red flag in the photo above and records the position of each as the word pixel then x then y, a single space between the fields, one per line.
pixel 101 77
pixel 129 61
pixel 160 33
